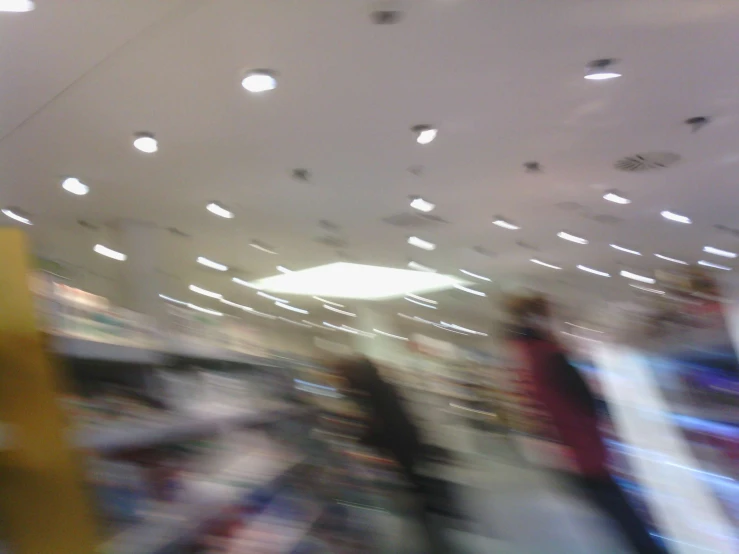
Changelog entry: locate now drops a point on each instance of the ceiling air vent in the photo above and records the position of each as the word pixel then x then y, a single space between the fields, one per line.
pixel 527 246
pixel 647 162
pixel 607 219
pixel 482 251
pixel 332 242
pixel 727 229
pixel 409 220
pixel 176 232
pixel 87 225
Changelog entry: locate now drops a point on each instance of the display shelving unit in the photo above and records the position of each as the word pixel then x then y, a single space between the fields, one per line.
pixel 43 461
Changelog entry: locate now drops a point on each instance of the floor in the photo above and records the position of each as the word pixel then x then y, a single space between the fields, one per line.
pixel 514 507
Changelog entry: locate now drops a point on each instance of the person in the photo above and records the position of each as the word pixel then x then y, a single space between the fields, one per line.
pixel 571 408
pixel 390 428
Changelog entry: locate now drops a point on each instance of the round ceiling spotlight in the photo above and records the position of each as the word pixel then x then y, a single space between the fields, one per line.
pixel 17 6
pixel 424 133
pixel 259 80
pixel 601 70
pixel 16 213
pixel 75 186
pixel 218 209
pixel 145 142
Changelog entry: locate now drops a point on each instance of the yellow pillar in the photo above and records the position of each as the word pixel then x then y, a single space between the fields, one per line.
pixel 44 508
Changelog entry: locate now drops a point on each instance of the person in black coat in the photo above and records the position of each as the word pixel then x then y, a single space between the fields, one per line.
pixel 391 429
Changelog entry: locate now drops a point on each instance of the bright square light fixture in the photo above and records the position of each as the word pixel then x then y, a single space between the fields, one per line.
pixel 363 282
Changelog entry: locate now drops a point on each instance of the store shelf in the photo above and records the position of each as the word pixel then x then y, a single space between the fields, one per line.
pixel 181 522
pixel 85 349
pixel 136 436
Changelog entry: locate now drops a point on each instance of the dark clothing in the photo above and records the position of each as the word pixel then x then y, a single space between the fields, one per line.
pixel 608 496
pixel 391 428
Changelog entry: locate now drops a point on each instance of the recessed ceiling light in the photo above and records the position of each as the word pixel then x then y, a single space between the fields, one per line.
pixel 719 252
pixel 17 214
pixel 601 70
pixel 593 271
pixel 475 275
pixel 260 246
pixel 275 298
pixel 245 283
pixel 500 222
pixel 211 264
pixel 75 186
pixel 647 289
pixel 616 197
pixel 328 302
pixel 204 310
pixel 672 216
pixel 351 280
pixel 109 252
pixel 637 277
pixel 219 210
pixel 539 262
pixel 714 266
pixel 173 300
pixel 463 329
pixel 424 133
pixel 205 292
pixel 584 328
pixel 235 305
pixel 469 290
pixel 572 238
pixel 422 205
pixel 673 260
pixel 627 250
pixel 283 269
pixel 145 142
pixel 338 311
pixel 291 308
pixel 420 303
pixel 420 267
pixel 259 80
pixel 420 243
pixel 390 335
pixel 17 6
pixel 422 298
pixel 252 311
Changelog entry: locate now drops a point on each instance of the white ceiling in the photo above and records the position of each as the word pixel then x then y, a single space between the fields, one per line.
pixel 503 81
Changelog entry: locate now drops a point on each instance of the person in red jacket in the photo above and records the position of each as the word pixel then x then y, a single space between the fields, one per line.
pixel 565 399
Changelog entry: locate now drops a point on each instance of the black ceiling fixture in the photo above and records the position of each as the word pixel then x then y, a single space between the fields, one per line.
pixel 697 123
pixel 532 167
pixel 301 174
pixel 385 12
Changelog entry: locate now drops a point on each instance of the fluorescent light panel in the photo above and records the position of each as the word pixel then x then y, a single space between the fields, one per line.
pixel 328 302
pixel 338 311
pixel 593 271
pixel 358 281
pixel 211 264
pixel 469 290
pixel 110 253
pixel 422 205
pixel 572 238
pixel 627 250
pixel 420 267
pixel 719 252
pixel 173 300
pixel 616 198
pixel 244 283
pixel 673 260
pixel 646 289
pixel 204 310
pixel 291 308
pixel 420 243
pixel 261 247
pixel 205 292
pixel 220 211
pixel 539 262
pixel 12 214
pixel 505 224
pixel 672 216
pixel 390 335
pixel 420 303
pixel 475 275
pixel 637 277
pixel 270 297
pixel 714 266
